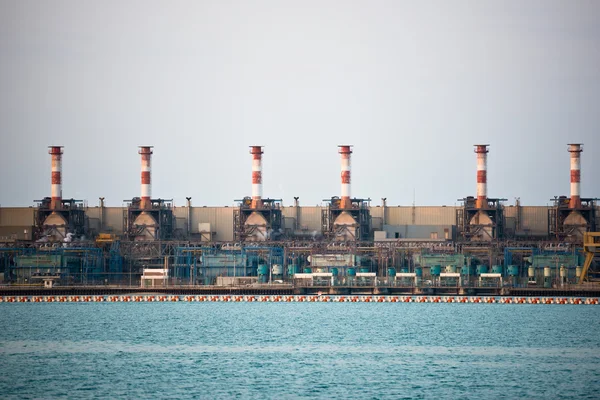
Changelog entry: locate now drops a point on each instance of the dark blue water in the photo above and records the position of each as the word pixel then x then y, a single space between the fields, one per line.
pixel 299 350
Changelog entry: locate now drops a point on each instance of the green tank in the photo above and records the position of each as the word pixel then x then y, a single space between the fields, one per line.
pixel 436 270
pixel 351 272
pixel 482 269
pixel 513 270
pixel 364 270
pixel 419 271
pixel 404 270
pixel 496 269
pixel 391 272
pixel 307 270
pixel 334 271
pixel 263 270
pixel 293 270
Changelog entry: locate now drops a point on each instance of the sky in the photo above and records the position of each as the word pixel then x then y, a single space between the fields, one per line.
pixel 412 85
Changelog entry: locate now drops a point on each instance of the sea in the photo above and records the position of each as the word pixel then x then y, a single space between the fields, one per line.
pixel 299 351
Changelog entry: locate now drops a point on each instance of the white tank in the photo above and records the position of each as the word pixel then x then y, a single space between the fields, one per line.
pixel 277 269
pixel 547 273
pixel 578 271
pixel 531 272
pixel 563 271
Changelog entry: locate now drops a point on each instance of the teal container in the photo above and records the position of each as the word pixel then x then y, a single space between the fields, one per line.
pixel 364 270
pixel 307 270
pixel 293 270
pixel 436 270
pixel 482 269
pixel 334 271
pixel 391 272
pixel 351 272
pixel 419 271
pixel 513 270
pixel 263 270
pixel 496 269
pixel 404 270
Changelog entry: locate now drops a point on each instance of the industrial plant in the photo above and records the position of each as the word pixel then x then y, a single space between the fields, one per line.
pixel 348 245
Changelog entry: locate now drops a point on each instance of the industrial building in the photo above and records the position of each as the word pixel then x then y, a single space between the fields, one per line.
pixel 348 241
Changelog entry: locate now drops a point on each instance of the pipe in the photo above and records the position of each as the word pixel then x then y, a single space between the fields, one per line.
pixel 481 150
pixel 345 152
pixel 56 196
pixel 575 150
pixel 146 153
pixel 189 215
pixel 256 152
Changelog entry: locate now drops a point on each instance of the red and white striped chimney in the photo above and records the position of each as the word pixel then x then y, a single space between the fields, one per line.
pixel 146 153
pixel 56 196
pixel 345 152
pixel 575 150
pixel 481 150
pixel 256 152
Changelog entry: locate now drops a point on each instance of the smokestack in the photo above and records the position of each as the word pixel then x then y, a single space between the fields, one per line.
pixel 345 151
pixel 256 152
pixel 575 150
pixel 146 153
pixel 481 150
pixel 56 196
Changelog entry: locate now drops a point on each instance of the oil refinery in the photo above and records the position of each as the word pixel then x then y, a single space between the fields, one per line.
pixel 347 246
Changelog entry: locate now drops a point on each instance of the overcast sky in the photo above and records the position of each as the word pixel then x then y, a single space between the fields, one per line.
pixel 411 84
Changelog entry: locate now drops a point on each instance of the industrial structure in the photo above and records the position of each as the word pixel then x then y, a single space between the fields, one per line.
pixel 481 218
pixel 571 217
pixel 58 219
pixel 257 219
pixel 346 243
pixel 147 218
pixel 346 218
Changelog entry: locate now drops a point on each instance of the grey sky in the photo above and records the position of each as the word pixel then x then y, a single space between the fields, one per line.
pixel 412 85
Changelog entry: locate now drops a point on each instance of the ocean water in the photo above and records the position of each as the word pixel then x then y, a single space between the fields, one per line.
pixel 299 350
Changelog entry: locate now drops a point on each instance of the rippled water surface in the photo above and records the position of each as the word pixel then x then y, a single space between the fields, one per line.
pixel 301 350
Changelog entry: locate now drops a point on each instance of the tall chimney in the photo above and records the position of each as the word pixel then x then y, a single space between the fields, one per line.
pixel 146 152
pixel 345 152
pixel 56 196
pixel 481 150
pixel 256 152
pixel 575 150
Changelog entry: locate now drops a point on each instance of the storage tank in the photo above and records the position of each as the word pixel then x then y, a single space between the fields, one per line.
pixel 563 271
pixel 513 270
pixel 307 270
pixel 364 270
pixel 531 271
pixel 436 270
pixel 482 269
pixel 419 271
pixel 263 273
pixel 334 271
pixel 497 269
pixel 351 271
pixel 451 269
pixel 404 269
pixel 578 271
pixel 391 272
pixel 277 271
pixel 547 277
pixel 547 272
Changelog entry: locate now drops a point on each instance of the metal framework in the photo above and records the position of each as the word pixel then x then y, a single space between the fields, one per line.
pixel 71 210
pixel 359 210
pixel 160 210
pixel 561 210
pixel 468 228
pixel 270 210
